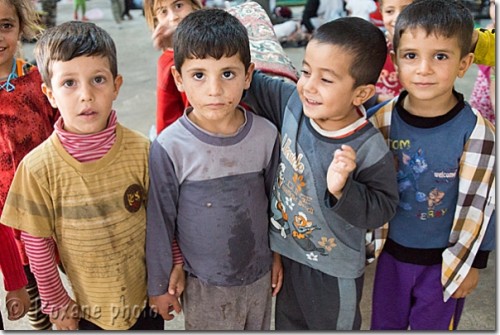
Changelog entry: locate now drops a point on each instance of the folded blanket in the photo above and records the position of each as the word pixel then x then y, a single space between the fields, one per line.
pixel 266 50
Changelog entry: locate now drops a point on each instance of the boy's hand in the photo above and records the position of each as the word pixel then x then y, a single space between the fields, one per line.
pixel 66 318
pixel 276 274
pixel 177 281
pixel 343 163
pixel 468 285
pixel 164 305
pixel 18 303
pixel 162 36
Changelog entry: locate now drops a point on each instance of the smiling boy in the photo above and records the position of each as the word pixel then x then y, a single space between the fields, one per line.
pixel 335 179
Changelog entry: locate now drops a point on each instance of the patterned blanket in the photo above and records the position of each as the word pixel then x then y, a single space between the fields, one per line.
pixel 267 53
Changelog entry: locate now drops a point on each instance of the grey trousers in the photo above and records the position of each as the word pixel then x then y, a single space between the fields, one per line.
pixel 209 307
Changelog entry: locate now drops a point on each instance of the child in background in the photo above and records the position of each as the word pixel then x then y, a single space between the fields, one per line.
pixel 27 118
pixel 318 12
pixel 117 8
pixel 57 191
pixel 360 8
pixel 336 177
pixel 17 299
pixel 287 29
pixel 441 233
pixel 483 92
pixel 211 173
pixel 388 85
pixel 164 16
pixel 79 4
pixel 376 16
pixel 126 11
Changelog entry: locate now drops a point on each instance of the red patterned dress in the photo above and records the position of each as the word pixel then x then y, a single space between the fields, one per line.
pixel 26 120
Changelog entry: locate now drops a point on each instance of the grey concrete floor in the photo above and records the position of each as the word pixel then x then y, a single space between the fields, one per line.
pixel 136 106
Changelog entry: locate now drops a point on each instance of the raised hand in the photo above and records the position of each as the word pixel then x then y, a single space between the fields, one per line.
pixel 343 163
pixel 162 35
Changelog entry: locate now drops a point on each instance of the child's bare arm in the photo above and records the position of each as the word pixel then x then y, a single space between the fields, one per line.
pixel 66 318
pixel 493 89
pixel 17 303
pixel 276 274
pixel 162 36
pixel 164 305
pixel 177 281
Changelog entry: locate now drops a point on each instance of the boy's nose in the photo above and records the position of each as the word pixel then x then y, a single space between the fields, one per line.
pixel 424 67
pixel 86 93
pixel 309 85
pixel 215 87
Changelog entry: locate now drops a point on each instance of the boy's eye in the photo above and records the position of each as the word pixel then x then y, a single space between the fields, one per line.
pixel 69 83
pixel 227 75
pixel 410 55
pixel 99 80
pixel 328 81
pixel 198 76
pixel 441 57
pixel 388 12
pixel 178 5
pixel 304 72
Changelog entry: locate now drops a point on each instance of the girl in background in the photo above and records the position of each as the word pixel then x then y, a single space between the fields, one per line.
pixel 483 93
pixel 162 16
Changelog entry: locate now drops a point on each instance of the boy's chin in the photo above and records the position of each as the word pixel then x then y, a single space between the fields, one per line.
pixel 315 115
pixel 309 113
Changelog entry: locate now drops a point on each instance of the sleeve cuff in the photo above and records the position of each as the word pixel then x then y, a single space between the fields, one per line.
pixel 481 260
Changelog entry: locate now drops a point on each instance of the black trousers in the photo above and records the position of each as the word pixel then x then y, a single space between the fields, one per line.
pixel 148 320
pixel 311 299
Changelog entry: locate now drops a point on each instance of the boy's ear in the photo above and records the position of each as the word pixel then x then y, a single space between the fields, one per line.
pixel 248 75
pixel 465 63
pixel 177 78
pixel 50 96
pixel 393 59
pixel 362 93
pixel 118 84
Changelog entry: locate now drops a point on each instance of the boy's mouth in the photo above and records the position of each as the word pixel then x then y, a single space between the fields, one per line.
pixel 312 102
pixel 88 112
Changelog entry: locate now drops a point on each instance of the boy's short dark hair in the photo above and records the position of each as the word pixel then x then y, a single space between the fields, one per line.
pixel 70 40
pixel 210 33
pixel 363 40
pixel 447 18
